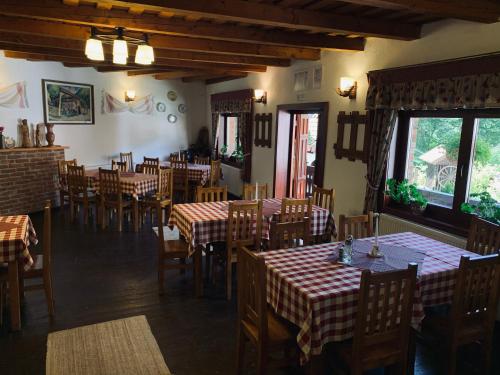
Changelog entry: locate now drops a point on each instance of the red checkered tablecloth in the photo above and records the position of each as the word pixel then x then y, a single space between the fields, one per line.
pixel 135 184
pixel 197 173
pixel 16 234
pixel 202 223
pixel 320 296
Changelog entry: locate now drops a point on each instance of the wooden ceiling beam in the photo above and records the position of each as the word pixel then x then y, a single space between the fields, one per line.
pixel 79 45
pixel 103 15
pixel 144 72
pixel 278 16
pixel 194 73
pixel 211 81
pixel 35 13
pixel 477 10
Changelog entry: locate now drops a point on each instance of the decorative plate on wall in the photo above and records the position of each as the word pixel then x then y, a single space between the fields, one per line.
pixel 182 108
pixel 172 95
pixel 172 118
pixel 161 107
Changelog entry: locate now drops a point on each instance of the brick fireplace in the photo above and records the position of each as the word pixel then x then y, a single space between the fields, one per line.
pixel 28 177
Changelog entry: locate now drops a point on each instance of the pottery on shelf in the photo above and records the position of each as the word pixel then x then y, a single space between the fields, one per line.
pixel 50 136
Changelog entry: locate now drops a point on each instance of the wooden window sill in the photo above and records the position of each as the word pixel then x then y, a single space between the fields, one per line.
pixel 233 164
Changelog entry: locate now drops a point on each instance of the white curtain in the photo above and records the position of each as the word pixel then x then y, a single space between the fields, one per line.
pixel 144 105
pixel 14 96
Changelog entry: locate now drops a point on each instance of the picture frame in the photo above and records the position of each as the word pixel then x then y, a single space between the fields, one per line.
pixel 68 103
pixel 301 81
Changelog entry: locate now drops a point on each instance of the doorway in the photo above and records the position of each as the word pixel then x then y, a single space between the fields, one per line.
pixel 301 131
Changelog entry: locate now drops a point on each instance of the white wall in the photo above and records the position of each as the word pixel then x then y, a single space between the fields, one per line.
pixel 92 145
pixel 443 40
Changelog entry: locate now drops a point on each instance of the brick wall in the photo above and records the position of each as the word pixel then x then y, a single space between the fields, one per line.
pixel 28 177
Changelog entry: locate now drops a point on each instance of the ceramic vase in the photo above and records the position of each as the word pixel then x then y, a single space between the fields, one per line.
pixel 50 136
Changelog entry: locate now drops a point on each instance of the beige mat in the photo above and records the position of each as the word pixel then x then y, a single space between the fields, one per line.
pixel 124 346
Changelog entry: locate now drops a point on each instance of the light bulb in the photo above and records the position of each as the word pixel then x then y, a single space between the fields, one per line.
pixel 93 49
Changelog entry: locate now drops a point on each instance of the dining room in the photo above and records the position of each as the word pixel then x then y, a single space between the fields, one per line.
pixel 249 187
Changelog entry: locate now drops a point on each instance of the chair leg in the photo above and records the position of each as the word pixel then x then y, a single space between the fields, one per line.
pixel 119 215
pixel 103 216
pixel 207 261
pixel 47 283
pixel 71 210
pixel 240 353
pixel 229 275
pixel 86 213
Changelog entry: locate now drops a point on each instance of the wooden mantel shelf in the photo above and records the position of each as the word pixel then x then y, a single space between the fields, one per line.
pixel 33 149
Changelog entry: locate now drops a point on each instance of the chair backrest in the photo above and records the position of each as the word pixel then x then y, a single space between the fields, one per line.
pixel 109 184
pixel 244 224
pixel 165 183
pixel 384 310
pixel 476 293
pixel 293 209
pixel 151 161
pixel 180 169
pixel 484 237
pixel 127 157
pixel 202 160
pixel 252 303
pixel 359 226
pixel 289 235
pixel 324 198
pixel 175 156
pixel 138 168
pixel 47 236
pixel 77 182
pixel 161 235
pixel 211 194
pixel 150 169
pixel 215 172
pixel 249 191
pixel 122 166
pixel 62 169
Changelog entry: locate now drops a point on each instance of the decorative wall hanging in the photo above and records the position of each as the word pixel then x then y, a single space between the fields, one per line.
pixel 68 102
pixel 172 95
pixel 161 107
pixel 182 108
pixel 352 153
pixel 143 106
pixel 14 96
pixel 317 77
pixel 172 118
pixel 263 129
pixel 301 80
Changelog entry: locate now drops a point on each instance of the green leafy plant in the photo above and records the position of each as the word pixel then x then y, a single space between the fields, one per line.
pixel 238 154
pixel 223 150
pixel 487 208
pixel 405 193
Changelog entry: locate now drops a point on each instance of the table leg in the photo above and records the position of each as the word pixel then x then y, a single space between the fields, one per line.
pixel 198 276
pixel 135 205
pixel 15 303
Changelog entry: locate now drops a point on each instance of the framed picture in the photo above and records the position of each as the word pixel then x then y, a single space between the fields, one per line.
pixel 68 103
pixel 301 80
pixel 317 77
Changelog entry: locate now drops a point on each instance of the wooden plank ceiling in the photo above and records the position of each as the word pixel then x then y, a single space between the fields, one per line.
pixel 218 40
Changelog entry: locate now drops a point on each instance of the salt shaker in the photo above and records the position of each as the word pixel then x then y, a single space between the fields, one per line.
pixel 347 253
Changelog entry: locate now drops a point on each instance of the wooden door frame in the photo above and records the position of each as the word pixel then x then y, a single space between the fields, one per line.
pixel 322 109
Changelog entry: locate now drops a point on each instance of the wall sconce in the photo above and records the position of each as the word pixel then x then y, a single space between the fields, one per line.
pixel 348 87
pixel 260 96
pixel 129 95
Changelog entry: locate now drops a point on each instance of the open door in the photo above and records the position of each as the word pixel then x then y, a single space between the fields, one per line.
pixel 299 157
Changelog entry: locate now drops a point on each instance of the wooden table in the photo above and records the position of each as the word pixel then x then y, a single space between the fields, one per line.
pixel 16 234
pixel 197 173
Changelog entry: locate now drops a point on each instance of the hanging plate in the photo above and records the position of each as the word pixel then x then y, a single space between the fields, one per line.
pixel 172 95
pixel 161 107
pixel 182 108
pixel 172 118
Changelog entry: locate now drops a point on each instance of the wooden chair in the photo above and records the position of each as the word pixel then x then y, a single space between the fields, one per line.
pixel 202 160
pixel 126 157
pixel 62 171
pixel 174 156
pixel 484 237
pixel 181 179
pixel 150 169
pixel 162 197
pixel 79 193
pixel 249 191
pixel 473 310
pixel 211 194
pixel 151 161
pixel 215 173
pixel 293 209
pixel 324 198
pixel 170 251
pixel 139 168
pixel 383 322
pixel 290 235
pixel 110 196
pixel 359 226
pixel 257 323
pixel 122 166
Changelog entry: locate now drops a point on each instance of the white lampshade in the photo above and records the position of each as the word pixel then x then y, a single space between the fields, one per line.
pixel 93 49
pixel 120 59
pixel 144 55
pixel 120 51
pixel 346 83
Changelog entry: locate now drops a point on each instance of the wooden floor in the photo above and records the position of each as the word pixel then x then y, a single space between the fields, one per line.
pixel 101 276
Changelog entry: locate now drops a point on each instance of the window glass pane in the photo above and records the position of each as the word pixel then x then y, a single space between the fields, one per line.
pixel 432 157
pixel 232 133
pixel 485 168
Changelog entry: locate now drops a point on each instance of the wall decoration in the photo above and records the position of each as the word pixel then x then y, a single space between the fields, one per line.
pixel 263 129
pixel 14 96
pixel 317 77
pixel 352 153
pixel 161 107
pixel 182 108
pixel 172 118
pixel 50 136
pixel 68 102
pixel 110 104
pixel 301 80
pixel 40 134
pixel 172 95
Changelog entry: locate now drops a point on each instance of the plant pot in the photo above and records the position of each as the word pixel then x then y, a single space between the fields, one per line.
pixel 416 209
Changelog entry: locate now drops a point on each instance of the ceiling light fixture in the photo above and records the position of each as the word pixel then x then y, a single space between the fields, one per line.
pixel 93 48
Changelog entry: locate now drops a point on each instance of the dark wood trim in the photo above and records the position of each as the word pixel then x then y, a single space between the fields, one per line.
pixel 232 95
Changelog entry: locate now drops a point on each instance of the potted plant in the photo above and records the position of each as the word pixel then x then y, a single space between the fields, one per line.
pixel 404 194
pixel 238 154
pixel 223 151
pixel 487 208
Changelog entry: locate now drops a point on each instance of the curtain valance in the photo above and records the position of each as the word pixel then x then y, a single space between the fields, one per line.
pixel 232 102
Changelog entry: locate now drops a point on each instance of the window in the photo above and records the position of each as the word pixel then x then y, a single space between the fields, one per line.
pixel 228 133
pixel 449 155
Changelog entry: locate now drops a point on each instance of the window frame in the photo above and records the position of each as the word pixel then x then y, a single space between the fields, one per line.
pixel 449 219
pixel 227 161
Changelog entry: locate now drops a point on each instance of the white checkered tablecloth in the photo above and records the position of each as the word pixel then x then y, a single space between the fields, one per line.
pixel 320 296
pixel 16 234
pixel 202 223
pixel 197 173
pixel 135 184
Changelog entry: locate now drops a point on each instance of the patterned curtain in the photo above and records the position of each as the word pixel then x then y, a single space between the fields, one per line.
pixel 245 131
pixel 215 126
pixel 383 122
